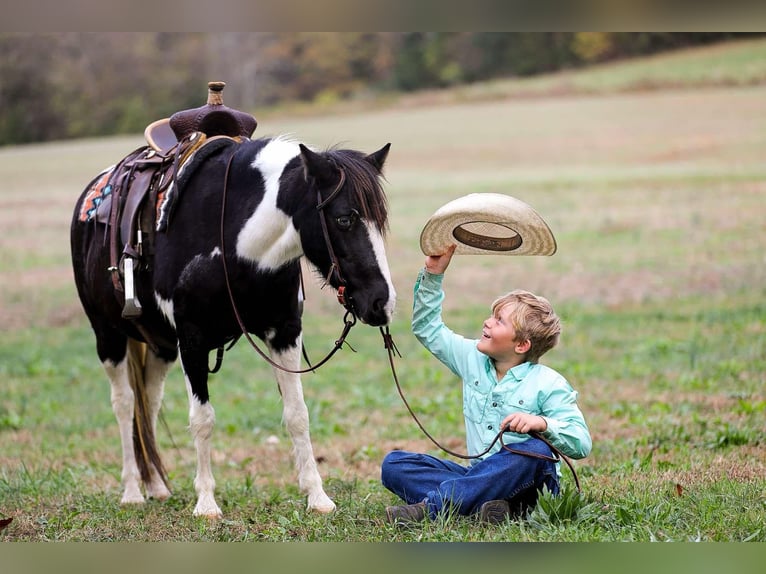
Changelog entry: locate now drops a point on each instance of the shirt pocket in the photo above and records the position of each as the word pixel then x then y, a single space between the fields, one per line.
pixel 523 402
pixel 475 400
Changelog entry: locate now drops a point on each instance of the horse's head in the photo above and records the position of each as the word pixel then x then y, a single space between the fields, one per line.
pixel 343 238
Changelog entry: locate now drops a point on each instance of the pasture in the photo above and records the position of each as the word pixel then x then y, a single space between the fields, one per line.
pixel 657 200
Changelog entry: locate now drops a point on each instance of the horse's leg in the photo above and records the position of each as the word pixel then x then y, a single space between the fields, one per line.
pixel 154 374
pixel 112 350
pixel 296 418
pixel 201 421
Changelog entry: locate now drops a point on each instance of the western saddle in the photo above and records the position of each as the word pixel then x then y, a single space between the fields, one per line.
pixel 141 178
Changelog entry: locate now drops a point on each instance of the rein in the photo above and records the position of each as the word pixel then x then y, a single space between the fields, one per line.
pixel 349 319
pixel 388 343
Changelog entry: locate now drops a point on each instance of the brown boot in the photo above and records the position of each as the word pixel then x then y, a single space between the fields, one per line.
pixel 406 513
pixel 494 511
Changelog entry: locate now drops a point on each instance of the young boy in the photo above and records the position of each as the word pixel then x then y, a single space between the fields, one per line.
pixel 505 387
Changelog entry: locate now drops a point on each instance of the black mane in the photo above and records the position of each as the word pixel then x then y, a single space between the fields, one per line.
pixel 363 178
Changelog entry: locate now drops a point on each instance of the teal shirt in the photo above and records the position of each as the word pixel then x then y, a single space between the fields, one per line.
pixel 529 387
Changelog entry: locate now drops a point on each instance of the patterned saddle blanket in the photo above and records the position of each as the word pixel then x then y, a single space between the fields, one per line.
pixel 148 175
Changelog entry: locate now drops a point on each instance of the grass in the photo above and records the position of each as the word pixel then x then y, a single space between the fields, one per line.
pixel 656 201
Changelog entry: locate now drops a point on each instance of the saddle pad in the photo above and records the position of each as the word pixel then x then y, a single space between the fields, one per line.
pixel 98 192
pixel 168 199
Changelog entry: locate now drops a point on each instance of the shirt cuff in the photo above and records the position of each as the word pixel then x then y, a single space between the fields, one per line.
pixel 550 429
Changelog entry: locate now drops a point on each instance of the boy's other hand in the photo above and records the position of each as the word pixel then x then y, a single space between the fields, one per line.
pixel 524 423
pixel 437 264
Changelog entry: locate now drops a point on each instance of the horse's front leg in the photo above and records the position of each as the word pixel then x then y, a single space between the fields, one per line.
pixel 296 418
pixel 201 423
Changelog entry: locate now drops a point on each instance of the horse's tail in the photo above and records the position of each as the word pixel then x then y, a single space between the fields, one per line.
pixel 144 441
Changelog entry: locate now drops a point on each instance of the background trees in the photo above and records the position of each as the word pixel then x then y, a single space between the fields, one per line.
pixel 69 85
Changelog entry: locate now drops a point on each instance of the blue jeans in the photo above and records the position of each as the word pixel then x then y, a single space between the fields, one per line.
pixel 442 484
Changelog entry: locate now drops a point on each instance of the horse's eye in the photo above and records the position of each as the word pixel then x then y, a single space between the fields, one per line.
pixel 346 221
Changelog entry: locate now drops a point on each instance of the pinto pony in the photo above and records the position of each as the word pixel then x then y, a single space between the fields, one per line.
pixel 283 201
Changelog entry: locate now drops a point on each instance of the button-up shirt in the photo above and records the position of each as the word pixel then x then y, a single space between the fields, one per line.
pixel 529 387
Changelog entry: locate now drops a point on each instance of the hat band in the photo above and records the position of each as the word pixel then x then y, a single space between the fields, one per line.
pixel 485 242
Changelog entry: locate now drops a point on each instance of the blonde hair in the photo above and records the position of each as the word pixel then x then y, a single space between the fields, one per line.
pixel 533 318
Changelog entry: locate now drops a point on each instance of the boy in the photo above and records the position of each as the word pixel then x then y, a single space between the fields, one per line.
pixel 504 386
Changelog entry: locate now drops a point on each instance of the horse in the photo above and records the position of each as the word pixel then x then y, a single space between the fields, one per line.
pixel 227 260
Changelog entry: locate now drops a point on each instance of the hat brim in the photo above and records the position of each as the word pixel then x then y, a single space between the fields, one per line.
pixel 487 224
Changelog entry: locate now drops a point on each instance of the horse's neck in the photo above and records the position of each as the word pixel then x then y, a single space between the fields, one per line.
pixel 269 236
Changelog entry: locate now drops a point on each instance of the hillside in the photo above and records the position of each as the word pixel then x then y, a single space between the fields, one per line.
pixel 738 63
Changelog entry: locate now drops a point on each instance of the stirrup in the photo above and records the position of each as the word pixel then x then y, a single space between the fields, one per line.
pixel 132 308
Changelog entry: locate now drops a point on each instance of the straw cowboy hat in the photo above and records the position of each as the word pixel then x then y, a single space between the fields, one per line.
pixel 487 224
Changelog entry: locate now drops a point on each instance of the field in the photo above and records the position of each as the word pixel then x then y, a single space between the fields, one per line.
pixel 657 199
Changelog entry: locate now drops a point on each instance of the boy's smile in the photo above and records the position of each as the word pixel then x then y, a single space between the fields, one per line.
pixel 498 341
pixel 498 337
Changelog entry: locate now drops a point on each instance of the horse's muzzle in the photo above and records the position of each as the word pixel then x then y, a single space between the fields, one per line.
pixel 377 313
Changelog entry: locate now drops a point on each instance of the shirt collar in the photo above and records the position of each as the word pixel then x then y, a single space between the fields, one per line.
pixel 520 371
pixel 517 373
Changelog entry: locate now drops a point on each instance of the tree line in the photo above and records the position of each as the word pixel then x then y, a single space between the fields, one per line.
pixel 82 84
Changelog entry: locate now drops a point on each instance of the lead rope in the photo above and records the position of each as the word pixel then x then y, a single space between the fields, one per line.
pixel 347 322
pixel 388 343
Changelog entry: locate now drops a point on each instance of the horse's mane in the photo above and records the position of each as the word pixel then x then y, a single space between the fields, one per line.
pixel 363 178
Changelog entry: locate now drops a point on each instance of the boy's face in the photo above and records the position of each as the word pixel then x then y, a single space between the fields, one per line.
pixel 498 337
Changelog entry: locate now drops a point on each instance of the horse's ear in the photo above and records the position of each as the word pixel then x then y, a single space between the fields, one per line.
pixel 378 158
pixel 316 166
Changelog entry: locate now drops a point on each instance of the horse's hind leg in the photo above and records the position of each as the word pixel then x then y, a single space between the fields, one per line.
pixel 155 370
pixel 123 360
pixel 112 350
pixel 296 418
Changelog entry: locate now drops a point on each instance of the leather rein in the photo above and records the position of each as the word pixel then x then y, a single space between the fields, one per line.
pixel 388 340
pixel 557 454
pixel 349 319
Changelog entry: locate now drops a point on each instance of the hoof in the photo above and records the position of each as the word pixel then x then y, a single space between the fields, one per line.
pixel 209 514
pixel 132 499
pixel 321 504
pixel 207 507
pixel 159 492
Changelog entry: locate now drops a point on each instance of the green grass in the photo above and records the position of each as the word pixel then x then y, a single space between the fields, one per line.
pixel 656 201
pixel 702 405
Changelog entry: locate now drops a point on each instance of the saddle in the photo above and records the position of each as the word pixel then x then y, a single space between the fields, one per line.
pixel 141 179
pixel 212 119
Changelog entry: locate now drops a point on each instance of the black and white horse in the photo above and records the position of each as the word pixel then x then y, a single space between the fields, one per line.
pixel 272 219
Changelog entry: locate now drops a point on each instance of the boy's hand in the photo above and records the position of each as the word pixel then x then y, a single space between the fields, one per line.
pixel 437 264
pixel 524 423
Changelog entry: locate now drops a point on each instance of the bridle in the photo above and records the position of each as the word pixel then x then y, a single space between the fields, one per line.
pixel 349 319
pixel 334 263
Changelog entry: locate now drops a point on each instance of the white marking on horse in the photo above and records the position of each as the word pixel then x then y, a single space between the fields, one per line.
pixel 269 237
pixel 166 305
pixel 378 247
pixel 166 308
pixel 295 416
pixel 201 423
pixel 122 406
